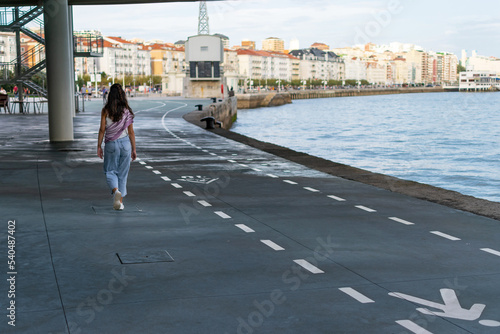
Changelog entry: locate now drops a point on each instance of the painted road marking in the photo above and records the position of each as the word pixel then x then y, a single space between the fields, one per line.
pixel 149 167
pixel 232 161
pixel 402 221
pixel 450 308
pixel 157 172
pixel 142 162
pixel 222 214
pixel 290 182
pixel 306 265
pixel 411 326
pixel 205 151
pixel 165 178
pixel 444 235
pixel 491 251
pixel 365 208
pixel 257 170
pixel 189 194
pixel 243 165
pixel 176 185
pixel 205 203
pixel 312 189
pixel 273 245
pixel 357 295
pixel 340 199
pixel 244 228
pixel 212 153
pixel 272 175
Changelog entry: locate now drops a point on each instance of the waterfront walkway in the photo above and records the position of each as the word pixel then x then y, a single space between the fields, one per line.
pixel 219 237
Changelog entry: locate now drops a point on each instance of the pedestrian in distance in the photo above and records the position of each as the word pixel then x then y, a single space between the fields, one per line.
pixel 117 130
pixel 104 95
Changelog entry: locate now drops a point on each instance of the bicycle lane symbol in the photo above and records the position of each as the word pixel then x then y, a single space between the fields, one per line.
pixel 450 308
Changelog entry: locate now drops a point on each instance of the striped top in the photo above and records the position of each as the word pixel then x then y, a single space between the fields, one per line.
pixel 114 130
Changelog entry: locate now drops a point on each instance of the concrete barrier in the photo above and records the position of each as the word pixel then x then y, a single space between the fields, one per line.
pixel 250 101
pixel 225 112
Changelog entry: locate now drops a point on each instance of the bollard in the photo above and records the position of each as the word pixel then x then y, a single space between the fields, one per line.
pixel 210 122
pixel 199 106
pixel 214 99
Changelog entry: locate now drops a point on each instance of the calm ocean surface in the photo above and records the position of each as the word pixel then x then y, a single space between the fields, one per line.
pixel 449 140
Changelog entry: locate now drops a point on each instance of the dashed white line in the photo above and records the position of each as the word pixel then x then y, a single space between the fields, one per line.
pixel 357 295
pixel 189 194
pixel 157 172
pixel 142 162
pixel 311 189
pixel 166 178
pixel 411 326
pixel 402 221
pixel 244 228
pixel 446 236
pixel 491 251
pixel 149 167
pixel 339 199
pixel 243 165
pixel 273 245
pixel 232 161
pixel 212 153
pixel 257 170
pixel 205 203
pixel 309 267
pixel 361 207
pixel 222 214
pixel 176 185
pixel 290 182
pixel 205 151
pixel 272 175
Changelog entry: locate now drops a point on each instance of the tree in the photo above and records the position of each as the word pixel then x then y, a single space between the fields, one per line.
pixel 461 68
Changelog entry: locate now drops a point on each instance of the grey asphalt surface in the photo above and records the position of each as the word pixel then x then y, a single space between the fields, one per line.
pixel 215 236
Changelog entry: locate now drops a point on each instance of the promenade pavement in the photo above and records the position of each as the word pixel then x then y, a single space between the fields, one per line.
pixel 219 237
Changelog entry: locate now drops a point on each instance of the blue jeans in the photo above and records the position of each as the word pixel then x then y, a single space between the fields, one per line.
pixel 117 158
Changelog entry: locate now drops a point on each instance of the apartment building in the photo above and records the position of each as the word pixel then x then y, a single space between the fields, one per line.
pixel 480 63
pixel 7 47
pixel 316 64
pixel 169 62
pixel 355 69
pixel 273 44
pixel 264 65
pixel 120 58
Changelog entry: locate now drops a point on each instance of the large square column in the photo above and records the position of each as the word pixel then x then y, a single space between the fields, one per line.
pixel 60 76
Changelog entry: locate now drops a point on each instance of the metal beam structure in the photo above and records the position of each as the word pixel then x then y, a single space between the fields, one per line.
pixel 12 3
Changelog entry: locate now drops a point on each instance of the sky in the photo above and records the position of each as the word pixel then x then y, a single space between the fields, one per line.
pixel 435 25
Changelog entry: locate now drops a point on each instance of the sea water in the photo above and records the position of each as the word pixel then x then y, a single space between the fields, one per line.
pixel 449 140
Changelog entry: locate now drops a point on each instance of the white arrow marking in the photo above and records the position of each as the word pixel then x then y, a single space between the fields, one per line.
pixel 451 307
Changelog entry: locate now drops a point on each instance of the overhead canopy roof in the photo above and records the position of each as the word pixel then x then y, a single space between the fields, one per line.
pixel 13 3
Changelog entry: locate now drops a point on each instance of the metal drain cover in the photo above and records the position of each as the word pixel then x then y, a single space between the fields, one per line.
pixel 146 256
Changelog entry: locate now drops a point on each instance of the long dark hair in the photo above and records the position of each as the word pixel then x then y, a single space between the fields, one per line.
pixel 116 103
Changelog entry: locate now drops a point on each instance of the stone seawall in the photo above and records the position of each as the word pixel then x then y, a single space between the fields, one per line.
pixel 317 94
pixel 225 112
pixel 250 101
pixel 260 100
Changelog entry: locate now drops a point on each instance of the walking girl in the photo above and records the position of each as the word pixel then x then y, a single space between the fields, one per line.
pixel 117 130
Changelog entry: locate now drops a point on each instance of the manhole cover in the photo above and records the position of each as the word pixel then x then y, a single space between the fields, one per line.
pixel 144 257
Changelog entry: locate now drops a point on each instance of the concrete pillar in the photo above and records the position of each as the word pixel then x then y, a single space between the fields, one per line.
pixel 60 78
